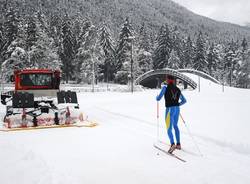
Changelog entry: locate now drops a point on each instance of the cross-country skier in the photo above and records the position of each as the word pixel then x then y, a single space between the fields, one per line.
pixel 172 96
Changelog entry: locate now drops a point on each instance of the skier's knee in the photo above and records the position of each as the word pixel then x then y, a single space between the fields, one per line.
pixel 176 127
pixel 169 131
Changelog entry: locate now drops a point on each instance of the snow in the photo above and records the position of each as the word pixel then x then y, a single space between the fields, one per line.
pixel 120 149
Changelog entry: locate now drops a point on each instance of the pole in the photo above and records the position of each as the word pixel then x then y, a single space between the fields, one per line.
pixel 93 75
pixel 108 76
pixel 199 83
pixel 132 78
pixel 230 76
pixel 191 135
pixel 222 79
pixel 1 79
pixel 157 121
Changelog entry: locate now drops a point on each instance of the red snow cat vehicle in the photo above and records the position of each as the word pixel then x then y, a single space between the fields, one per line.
pixel 37 102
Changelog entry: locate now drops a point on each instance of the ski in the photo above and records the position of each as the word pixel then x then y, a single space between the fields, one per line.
pixel 170 154
pixel 182 149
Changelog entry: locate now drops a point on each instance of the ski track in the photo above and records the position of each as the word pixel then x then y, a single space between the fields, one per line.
pixel 137 122
pixel 142 127
pixel 119 150
pixel 20 165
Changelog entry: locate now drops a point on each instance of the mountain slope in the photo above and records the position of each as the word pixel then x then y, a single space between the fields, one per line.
pixel 154 13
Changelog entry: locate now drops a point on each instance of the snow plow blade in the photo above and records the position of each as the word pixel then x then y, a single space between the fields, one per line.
pixel 28 112
pixel 79 125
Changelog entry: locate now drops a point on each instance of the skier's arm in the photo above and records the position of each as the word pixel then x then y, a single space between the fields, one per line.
pixel 163 90
pixel 183 100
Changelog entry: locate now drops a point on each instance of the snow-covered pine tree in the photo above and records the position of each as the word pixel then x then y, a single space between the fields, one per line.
pixel 178 47
pixel 15 55
pixel 218 73
pixel 83 27
pixel 174 60
pixel 163 48
pixel 243 77
pixel 123 53
pixel 67 49
pixel 9 32
pixel 1 47
pixel 42 20
pixel 31 32
pixel 212 59
pixel 248 69
pixel 199 59
pixel 188 53
pixel 144 55
pixel 10 26
pixel 17 60
pixel 230 60
pixel 42 50
pixel 77 25
pixel 55 27
pixel 87 55
pixel 237 70
pixel 244 45
pixel 107 47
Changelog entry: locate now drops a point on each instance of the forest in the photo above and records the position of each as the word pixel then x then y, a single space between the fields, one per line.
pixel 115 41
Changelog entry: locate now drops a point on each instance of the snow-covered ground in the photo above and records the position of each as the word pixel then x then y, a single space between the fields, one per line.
pixel 120 150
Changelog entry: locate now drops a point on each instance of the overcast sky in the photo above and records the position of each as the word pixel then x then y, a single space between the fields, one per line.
pixel 234 11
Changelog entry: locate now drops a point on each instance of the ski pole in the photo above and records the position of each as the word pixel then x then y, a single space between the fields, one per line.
pixel 157 121
pixel 191 135
pixel 157 114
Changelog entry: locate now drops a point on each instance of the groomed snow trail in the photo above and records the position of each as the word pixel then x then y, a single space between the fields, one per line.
pixel 120 150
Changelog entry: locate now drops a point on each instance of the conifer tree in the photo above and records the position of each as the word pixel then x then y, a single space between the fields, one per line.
pixel 144 56
pixel 1 48
pixel 178 47
pixel 67 49
pixel 107 47
pixel 174 60
pixel 10 26
pixel 163 48
pixel 87 55
pixel 9 32
pixel 84 27
pixel 200 60
pixel 231 57
pixel 54 27
pixel 123 53
pixel 31 33
pixel 212 59
pixel 41 49
pixel 244 45
pixel 243 78
pixel 188 53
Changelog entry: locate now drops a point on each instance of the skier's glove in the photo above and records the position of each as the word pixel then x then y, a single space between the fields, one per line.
pixel 157 98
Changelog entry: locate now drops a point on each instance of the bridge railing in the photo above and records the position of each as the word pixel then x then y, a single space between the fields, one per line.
pixel 199 73
pixel 167 71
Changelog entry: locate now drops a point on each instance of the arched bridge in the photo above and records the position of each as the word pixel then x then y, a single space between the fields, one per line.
pixel 154 78
pixel 199 73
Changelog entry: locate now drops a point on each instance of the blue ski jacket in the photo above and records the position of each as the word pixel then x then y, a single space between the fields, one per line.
pixel 163 91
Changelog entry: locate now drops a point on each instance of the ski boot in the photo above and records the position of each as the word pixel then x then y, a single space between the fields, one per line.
pixel 178 146
pixel 171 149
